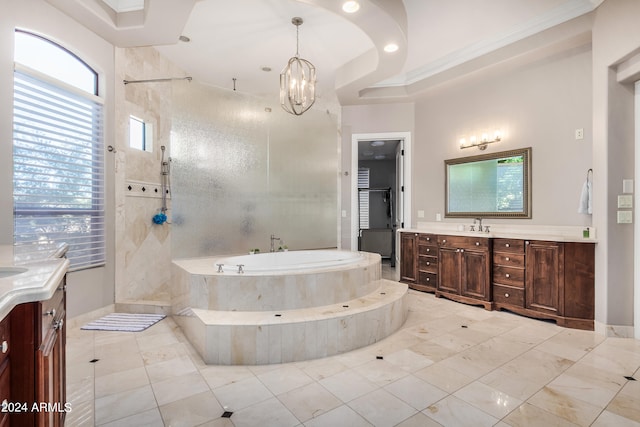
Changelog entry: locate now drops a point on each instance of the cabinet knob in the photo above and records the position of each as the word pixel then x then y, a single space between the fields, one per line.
pixel 428 279
pixel 428 239
pixel 444 240
pixel 428 250
pixel 506 295
pixel 507 259
pixel 461 250
pixel 507 245
pixel 507 275
pixel 5 346
pixel 477 243
pixel 428 263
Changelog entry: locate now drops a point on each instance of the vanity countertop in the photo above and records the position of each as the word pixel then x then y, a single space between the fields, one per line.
pixel 28 281
pixel 497 231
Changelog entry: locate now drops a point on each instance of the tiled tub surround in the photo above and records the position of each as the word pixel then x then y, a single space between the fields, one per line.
pixel 285 315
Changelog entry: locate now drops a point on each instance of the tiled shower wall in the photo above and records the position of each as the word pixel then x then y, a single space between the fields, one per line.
pixel 143 249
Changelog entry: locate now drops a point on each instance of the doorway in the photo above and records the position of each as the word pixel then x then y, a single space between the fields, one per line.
pixel 381 192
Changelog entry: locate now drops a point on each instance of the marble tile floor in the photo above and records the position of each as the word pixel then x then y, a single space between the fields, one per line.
pixel 451 364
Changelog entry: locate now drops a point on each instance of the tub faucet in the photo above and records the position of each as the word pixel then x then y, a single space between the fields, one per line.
pixel 272 247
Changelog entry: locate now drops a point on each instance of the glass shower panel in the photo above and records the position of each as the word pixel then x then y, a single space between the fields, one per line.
pixel 241 174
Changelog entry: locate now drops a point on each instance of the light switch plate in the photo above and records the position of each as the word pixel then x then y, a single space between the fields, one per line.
pixel 627 186
pixel 625 217
pixel 625 201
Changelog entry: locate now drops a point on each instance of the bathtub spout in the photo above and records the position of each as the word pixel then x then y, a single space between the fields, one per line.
pixel 272 247
pixel 220 268
pixel 240 270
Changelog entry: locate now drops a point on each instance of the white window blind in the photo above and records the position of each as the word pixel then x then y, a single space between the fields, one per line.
pixel 363 197
pixel 58 171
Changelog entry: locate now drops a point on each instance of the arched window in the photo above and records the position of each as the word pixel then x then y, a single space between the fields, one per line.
pixel 58 155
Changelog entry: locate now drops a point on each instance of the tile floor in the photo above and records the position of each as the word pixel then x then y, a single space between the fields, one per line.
pixel 450 364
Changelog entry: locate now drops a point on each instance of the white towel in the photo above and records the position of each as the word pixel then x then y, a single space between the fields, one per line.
pixel 585 198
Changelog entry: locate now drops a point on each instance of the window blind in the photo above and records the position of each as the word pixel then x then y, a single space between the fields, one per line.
pixel 363 198
pixel 58 182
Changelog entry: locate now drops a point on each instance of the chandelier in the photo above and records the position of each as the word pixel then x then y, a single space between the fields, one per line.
pixel 297 81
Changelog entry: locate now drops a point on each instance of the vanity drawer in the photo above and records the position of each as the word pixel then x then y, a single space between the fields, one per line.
pixel 508 276
pixel 428 279
pixel 508 295
pixel 508 259
pixel 427 239
pixel 430 249
pixel 428 263
pixel 463 242
pixel 508 245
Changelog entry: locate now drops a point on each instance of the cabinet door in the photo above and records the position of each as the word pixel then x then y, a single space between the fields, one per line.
pixel 474 273
pixel 449 270
pixel 544 277
pixel 408 257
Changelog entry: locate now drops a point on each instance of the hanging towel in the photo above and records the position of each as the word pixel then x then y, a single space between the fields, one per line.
pixel 586 196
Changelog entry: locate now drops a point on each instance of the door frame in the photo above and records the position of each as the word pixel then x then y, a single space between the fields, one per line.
pixel 405 142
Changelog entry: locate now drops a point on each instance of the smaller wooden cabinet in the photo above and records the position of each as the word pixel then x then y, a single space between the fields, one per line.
pixel 408 260
pixel 427 263
pixel 464 269
pixel 508 273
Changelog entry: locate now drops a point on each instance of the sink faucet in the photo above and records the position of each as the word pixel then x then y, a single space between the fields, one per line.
pixel 272 247
pixel 479 223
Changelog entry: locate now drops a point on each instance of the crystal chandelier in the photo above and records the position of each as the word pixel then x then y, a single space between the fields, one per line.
pixel 297 81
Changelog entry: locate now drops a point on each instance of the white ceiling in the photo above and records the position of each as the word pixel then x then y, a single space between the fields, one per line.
pixel 438 39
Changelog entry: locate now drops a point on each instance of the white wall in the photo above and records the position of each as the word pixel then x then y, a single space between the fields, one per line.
pixel 89 289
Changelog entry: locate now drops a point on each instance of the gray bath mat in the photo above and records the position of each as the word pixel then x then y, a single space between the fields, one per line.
pixel 124 322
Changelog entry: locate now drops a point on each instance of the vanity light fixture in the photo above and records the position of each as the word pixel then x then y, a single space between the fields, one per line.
pixel 481 142
pixel 351 6
pixel 297 81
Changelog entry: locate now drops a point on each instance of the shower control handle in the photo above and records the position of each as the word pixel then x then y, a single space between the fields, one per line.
pixel 240 270
pixel 220 268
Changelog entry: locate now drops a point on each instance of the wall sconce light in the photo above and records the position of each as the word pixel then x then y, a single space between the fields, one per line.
pixel 481 142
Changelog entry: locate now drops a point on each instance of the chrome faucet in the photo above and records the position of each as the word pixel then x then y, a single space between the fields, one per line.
pixel 480 230
pixel 272 247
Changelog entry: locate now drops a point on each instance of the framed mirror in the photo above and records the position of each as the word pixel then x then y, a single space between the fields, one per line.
pixel 495 185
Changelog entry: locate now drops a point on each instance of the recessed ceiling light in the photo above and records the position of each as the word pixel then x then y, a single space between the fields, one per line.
pixel 391 47
pixel 184 39
pixel 266 69
pixel 351 6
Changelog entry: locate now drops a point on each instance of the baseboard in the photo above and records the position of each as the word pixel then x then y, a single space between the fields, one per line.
pixel 84 318
pixel 614 330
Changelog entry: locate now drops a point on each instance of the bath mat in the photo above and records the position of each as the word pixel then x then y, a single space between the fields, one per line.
pixel 124 322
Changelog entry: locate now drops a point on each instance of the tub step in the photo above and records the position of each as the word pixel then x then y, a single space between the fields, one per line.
pixel 263 337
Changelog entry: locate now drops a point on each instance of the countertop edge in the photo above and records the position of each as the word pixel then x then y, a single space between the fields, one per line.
pixel 45 291
pixel 502 235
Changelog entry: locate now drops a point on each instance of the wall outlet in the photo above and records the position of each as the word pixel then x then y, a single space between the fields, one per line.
pixel 438 217
pixel 580 133
pixel 625 217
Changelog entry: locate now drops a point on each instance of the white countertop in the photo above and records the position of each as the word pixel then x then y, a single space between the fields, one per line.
pixel 508 231
pixel 37 283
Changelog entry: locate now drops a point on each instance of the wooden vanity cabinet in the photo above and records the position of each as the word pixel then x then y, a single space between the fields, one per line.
pixel 38 365
pixel 560 282
pixel 408 258
pixel 464 269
